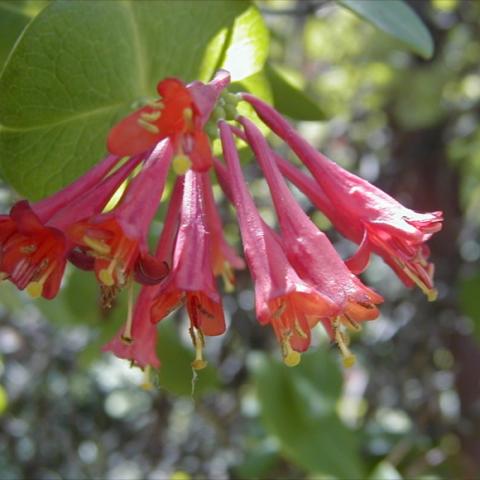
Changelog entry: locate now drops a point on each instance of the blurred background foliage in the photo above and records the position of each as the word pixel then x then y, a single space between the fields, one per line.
pixel 410 408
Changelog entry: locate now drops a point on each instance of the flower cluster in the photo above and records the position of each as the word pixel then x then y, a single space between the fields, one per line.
pixel 299 278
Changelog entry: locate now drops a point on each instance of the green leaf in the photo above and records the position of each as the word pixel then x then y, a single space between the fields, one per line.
pixel 176 374
pixel 12 21
pixel 77 70
pixel 298 407
pixel 396 19
pixel 290 100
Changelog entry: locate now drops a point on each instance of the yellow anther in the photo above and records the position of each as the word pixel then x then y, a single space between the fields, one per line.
pixel 105 275
pixel 150 116
pixel 147 383
pixel 432 294
pixel 291 358
pixel 99 246
pixel 349 361
pixel 199 342
pixel 35 289
pixel 342 342
pixel 187 114
pixel 181 164
pixel 3 276
pixel 148 126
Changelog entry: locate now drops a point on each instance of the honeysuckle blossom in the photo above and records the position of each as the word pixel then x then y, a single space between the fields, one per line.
pixel 282 299
pixel 137 339
pixel 191 281
pixel 118 239
pixel 34 245
pixel 309 250
pixel 179 114
pixel 396 230
pixel 298 276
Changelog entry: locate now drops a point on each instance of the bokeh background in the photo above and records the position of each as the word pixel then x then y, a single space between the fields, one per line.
pixel 410 408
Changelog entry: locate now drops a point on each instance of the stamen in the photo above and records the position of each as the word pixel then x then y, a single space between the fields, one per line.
pixel 299 330
pixel 181 163
pixel 342 342
pixel 105 275
pixel 3 276
pixel 28 249
pixel 228 278
pixel 127 331
pixel 280 310
pixel 199 343
pixel 148 126
pixel 156 104
pixel 350 323
pixel 35 288
pixel 150 117
pixel 431 293
pixel 147 383
pixel 291 358
pixel 97 245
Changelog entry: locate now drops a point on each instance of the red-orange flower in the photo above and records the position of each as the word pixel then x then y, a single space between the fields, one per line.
pixel 179 114
pixel 191 280
pixel 118 239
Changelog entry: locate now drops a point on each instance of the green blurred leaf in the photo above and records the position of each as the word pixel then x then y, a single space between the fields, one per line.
pixel 397 19
pixel 290 100
pixel 298 407
pixel 77 70
pixel 176 374
pixel 259 460
pixel 468 296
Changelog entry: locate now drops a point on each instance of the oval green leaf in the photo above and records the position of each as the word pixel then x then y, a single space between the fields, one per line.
pixel 77 69
pixel 298 408
pixel 396 19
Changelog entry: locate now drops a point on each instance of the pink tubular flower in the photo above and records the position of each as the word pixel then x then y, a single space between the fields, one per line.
pixel 118 239
pixel 34 247
pixel 289 304
pixel 191 281
pixel 400 233
pixel 309 250
pixel 137 340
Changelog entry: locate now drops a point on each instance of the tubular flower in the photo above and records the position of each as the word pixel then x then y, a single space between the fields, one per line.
pixel 397 231
pixel 292 306
pixel 117 240
pixel 34 247
pixel 179 114
pixel 309 250
pixel 352 228
pixel 137 340
pixel 191 281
